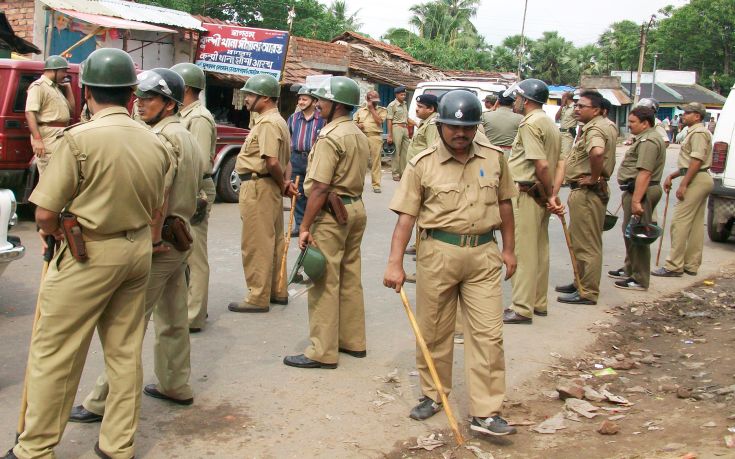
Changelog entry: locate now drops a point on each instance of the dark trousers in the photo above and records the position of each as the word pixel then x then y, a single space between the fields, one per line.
pixel 298 168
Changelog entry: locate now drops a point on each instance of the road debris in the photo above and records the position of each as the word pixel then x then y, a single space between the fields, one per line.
pixel 383 398
pixel 479 454
pixel 581 407
pixel 608 428
pixel 551 425
pixel 429 443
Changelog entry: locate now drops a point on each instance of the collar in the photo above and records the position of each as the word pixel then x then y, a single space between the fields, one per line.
pixel 341 119
pixel 47 80
pixel 110 111
pixel 191 107
pixel 504 108
pixel 314 116
pixel 265 113
pixel 531 113
pixel 429 118
pixel 445 155
pixel 161 125
pixel 592 122
pixel 696 125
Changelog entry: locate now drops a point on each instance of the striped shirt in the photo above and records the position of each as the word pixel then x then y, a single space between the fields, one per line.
pixel 303 131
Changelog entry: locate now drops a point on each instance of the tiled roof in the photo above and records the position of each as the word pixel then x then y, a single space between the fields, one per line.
pixel 377 71
pixel 352 37
pixel 320 55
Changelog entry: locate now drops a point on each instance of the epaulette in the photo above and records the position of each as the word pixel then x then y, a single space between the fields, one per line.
pixel 487 144
pixel 432 121
pixel 423 154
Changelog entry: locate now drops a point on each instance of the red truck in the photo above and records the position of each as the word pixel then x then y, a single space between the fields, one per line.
pixel 18 164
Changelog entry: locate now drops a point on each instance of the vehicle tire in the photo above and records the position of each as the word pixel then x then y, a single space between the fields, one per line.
pixel 228 183
pixel 714 235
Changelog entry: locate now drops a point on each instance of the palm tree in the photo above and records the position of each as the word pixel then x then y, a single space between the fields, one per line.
pixel 338 9
pixel 448 21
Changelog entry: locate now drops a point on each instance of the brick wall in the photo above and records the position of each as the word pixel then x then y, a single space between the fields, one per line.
pixel 20 14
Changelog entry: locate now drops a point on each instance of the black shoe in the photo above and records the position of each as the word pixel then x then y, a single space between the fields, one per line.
pixel 151 391
pixel 195 330
pixel 574 298
pixel 569 288
pixel 690 273
pixel 282 301
pixel 99 452
pixel 630 284
pixel 425 409
pixel 494 425
pixel 512 317
pixel 356 354
pixel 302 361
pixel 83 415
pixel 663 272
pixel 247 307
pixel 10 454
pixel 618 274
pixel 540 313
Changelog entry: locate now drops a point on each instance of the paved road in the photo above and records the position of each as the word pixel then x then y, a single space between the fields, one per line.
pixel 247 404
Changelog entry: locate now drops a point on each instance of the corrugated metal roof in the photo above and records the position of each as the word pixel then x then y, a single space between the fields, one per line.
pixel 130 11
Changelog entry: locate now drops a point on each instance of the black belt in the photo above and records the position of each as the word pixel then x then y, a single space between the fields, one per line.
pixel 206 176
pixel 251 176
pixel 683 170
pixel 630 185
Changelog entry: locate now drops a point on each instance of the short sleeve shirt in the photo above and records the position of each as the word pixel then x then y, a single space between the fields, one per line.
pixel 200 122
pixel 445 194
pixel 594 134
pixel 268 137
pixel 567 120
pixel 397 112
pixel 426 135
pixel 501 126
pixel 47 100
pixel 661 131
pixel 109 172
pixel 698 145
pixel 364 117
pixel 537 139
pixel 610 153
pixel 648 152
pixel 339 158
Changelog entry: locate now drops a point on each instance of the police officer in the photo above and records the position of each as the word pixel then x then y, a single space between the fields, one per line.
pixel 49 107
pixel 501 125
pixel 337 164
pixel 261 165
pixel 533 163
pixel 567 122
pixel 490 103
pixel 199 121
pixel 159 92
pixel 687 226
pixel 653 104
pixel 398 122
pixel 639 177
pixel 109 172
pixel 370 118
pixel 588 168
pixel 460 192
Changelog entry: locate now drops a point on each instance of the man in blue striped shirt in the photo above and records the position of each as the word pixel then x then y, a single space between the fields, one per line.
pixel 304 125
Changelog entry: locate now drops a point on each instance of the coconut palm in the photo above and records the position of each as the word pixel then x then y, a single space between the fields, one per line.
pixel 338 9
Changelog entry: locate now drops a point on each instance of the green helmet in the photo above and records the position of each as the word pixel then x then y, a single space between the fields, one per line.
pixel 642 233
pixel 55 63
pixel 610 221
pixel 164 82
pixel 306 91
pixel 192 74
pixel 460 108
pixel 313 262
pixel 339 89
pixel 109 68
pixel 263 85
pixel 531 89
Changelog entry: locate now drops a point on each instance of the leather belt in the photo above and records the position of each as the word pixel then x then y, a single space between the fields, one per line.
pixel 683 170
pixel 89 235
pixel 54 124
pixel 251 176
pixel 630 185
pixel 461 240
pixel 350 199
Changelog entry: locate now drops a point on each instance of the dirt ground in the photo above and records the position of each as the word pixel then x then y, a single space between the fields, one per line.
pixel 669 366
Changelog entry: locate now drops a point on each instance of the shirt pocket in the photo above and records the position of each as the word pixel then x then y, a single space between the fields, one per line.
pixel 447 195
pixel 251 145
pixel 488 190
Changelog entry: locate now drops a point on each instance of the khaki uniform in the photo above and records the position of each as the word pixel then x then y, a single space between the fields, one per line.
pixel 261 208
pixel 501 127
pixel 398 113
pixel 461 199
pixel 200 122
pixel 52 114
pixel 171 352
pixel 336 303
pixel 109 172
pixel 648 152
pixel 567 122
pixel 425 136
pixel 687 225
pixel 374 133
pixel 587 205
pixel 537 139
pixel 661 130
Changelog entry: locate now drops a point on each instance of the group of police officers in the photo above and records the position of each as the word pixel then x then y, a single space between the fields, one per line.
pixel 140 190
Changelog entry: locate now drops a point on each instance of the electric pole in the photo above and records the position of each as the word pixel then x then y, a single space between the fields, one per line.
pixel 523 41
pixel 644 38
pixel 653 86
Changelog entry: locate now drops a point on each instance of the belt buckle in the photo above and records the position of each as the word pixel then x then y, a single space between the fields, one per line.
pixel 474 240
pixel 462 240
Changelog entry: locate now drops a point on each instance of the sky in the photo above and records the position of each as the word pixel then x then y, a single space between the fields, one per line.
pixel 581 21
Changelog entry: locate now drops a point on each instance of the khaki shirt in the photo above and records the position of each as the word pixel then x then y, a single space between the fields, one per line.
pixel 596 133
pixel 109 172
pixel 610 157
pixel 269 137
pixel 567 120
pixel 363 116
pixel 200 122
pixel 397 112
pixel 697 145
pixel 538 138
pixel 425 136
pixel 501 126
pixel 647 152
pixel 661 130
pixel 46 99
pixel 185 178
pixel 459 198
pixel 339 158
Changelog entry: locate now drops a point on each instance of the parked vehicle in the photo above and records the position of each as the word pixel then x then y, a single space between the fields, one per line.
pixel 721 203
pixel 18 170
pixel 10 247
pixel 439 88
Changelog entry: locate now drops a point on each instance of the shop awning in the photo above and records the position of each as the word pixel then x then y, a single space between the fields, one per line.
pixel 110 22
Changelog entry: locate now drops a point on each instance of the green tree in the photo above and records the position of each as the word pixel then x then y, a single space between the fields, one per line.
pixel 553 59
pixel 338 11
pixel 619 46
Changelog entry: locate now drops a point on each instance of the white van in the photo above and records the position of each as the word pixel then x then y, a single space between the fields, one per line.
pixel 721 203
pixel 439 88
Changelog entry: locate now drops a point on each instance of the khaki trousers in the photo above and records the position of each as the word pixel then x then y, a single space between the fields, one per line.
pixel 199 265
pixel 106 292
pixel 400 140
pixel 531 280
pixel 261 211
pixel 446 274
pixel 375 141
pixel 638 257
pixel 567 141
pixel 586 217
pixel 336 303
pixel 51 139
pixel 687 226
pixel 171 352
